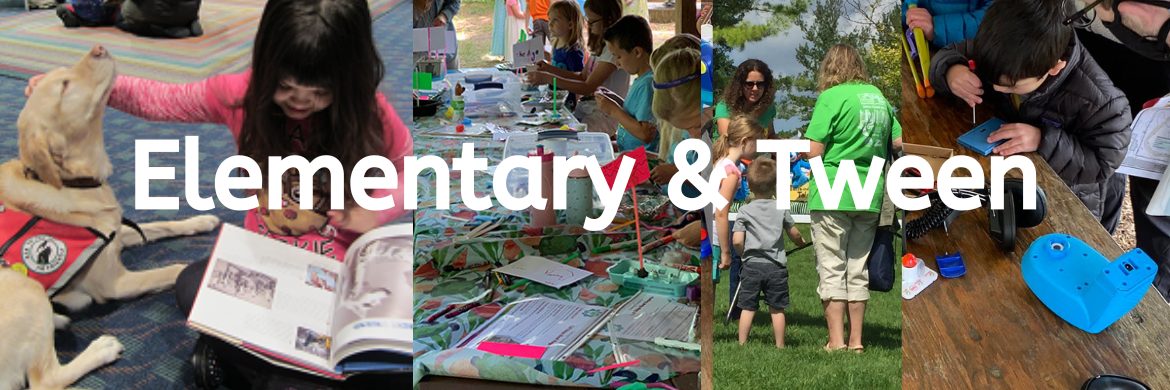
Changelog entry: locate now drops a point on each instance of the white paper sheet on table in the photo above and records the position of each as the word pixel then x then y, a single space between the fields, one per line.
pixel 649 316
pixel 1149 146
pixel 544 271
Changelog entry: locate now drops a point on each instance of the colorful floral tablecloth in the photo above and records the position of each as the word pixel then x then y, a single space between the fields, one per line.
pixel 448 273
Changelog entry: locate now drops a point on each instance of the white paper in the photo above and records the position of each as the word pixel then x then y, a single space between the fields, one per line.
pixel 527 52
pixel 1149 146
pixel 558 325
pixel 544 271
pixel 647 317
pixel 450 42
pixel 1160 201
pixel 270 295
pixel 432 39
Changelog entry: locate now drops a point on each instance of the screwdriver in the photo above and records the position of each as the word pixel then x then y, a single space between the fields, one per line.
pixel 971 65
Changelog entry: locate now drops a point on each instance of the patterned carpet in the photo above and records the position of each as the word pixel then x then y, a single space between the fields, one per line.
pixel 157 340
pixel 36 42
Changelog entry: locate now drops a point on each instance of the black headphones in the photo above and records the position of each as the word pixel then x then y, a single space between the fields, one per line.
pixel 1002 224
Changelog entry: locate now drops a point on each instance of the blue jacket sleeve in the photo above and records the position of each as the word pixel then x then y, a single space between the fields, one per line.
pixel 954 27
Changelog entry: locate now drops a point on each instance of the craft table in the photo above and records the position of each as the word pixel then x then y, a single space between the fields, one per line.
pixel 446 273
pixel 986 329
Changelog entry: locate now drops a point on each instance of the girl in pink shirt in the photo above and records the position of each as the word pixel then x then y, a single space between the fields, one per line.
pixel 311 91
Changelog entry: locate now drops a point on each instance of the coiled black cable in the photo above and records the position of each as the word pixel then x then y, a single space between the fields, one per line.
pixel 934 218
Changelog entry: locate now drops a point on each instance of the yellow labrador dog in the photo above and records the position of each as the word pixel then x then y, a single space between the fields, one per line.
pixel 61 178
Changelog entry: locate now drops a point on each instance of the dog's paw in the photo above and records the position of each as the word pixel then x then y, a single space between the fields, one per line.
pixel 106 349
pixel 202 224
pixel 60 322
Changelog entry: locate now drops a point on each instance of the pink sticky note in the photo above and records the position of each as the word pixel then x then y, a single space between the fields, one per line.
pixel 516 350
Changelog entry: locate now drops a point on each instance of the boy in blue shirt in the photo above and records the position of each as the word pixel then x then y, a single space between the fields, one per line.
pixel 944 22
pixel 631 42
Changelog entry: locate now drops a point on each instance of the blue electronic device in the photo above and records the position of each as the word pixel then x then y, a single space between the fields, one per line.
pixel 1080 285
pixel 976 139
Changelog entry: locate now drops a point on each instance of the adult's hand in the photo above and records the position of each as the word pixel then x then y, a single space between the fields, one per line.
pixel 1142 19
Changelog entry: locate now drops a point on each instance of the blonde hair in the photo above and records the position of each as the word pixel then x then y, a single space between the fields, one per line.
pixel 571 13
pixel 842 64
pixel 742 127
pixel 671 135
pixel 677 58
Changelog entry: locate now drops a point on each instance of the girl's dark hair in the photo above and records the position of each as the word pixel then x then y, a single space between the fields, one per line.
pixel 609 11
pixel 733 94
pixel 326 44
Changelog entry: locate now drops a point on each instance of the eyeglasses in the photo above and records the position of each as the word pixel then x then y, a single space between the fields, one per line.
pixel 754 84
pixel 1080 17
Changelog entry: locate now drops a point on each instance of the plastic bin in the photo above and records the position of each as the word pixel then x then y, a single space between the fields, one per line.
pixel 561 143
pixel 674 287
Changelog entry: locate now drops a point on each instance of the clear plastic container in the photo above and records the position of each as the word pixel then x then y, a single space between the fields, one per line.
pixel 566 143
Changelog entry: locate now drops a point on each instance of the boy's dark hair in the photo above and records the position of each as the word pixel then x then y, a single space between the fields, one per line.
pixel 629 32
pixel 1020 39
pixel 761 178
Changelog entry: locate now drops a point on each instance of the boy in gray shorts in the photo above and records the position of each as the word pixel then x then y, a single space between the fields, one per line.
pixel 757 235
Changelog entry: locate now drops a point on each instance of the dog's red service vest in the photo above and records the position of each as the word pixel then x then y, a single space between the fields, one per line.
pixel 49 252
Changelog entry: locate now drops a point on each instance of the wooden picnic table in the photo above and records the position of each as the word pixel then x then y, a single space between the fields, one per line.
pixel 986 329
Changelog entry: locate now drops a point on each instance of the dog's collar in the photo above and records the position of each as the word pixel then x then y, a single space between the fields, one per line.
pixel 81 182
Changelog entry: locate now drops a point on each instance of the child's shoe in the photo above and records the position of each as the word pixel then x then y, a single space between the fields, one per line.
pixel 68 17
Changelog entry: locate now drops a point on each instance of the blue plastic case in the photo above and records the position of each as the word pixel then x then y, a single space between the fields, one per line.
pixel 1080 285
pixel 976 139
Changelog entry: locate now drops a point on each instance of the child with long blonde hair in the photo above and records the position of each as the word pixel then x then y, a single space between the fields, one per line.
pixel 740 142
pixel 852 120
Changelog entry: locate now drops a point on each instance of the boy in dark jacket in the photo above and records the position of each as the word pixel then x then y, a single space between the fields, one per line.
pixel 1056 100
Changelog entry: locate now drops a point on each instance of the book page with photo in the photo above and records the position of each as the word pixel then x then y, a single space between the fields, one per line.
pixel 307 312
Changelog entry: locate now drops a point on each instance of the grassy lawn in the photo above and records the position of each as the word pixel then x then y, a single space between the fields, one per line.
pixel 803 364
pixel 473 26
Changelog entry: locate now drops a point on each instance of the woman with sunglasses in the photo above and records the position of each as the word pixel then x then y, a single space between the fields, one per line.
pixel 1128 38
pixel 751 92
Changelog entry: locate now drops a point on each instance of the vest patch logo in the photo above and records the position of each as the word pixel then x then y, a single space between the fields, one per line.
pixel 43 254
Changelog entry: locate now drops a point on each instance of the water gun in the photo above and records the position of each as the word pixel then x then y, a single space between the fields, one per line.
pixel 921 51
pixel 742 192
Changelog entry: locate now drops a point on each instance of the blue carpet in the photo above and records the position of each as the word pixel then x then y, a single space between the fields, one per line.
pixel 157 341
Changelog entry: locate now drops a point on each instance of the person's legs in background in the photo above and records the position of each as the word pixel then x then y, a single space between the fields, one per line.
pixel 860 242
pixel 1152 231
pixel 733 277
pixel 1113 198
pixel 829 232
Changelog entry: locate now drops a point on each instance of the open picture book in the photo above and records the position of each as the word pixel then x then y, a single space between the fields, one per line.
pixel 303 311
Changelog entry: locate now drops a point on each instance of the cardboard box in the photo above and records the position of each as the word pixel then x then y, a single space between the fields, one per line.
pixel 935 156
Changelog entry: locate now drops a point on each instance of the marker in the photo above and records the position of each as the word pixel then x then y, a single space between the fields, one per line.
pixel 971 65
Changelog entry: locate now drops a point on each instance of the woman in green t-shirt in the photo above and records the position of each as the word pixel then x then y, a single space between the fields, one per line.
pixel 752 92
pixel 852 121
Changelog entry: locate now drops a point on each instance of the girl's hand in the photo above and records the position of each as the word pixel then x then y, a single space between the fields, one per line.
pixel 539 78
pixel 724 258
pixel 357 219
pixel 32 83
pixel 441 20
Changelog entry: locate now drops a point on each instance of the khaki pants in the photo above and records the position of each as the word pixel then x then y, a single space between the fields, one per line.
pixel 842 240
